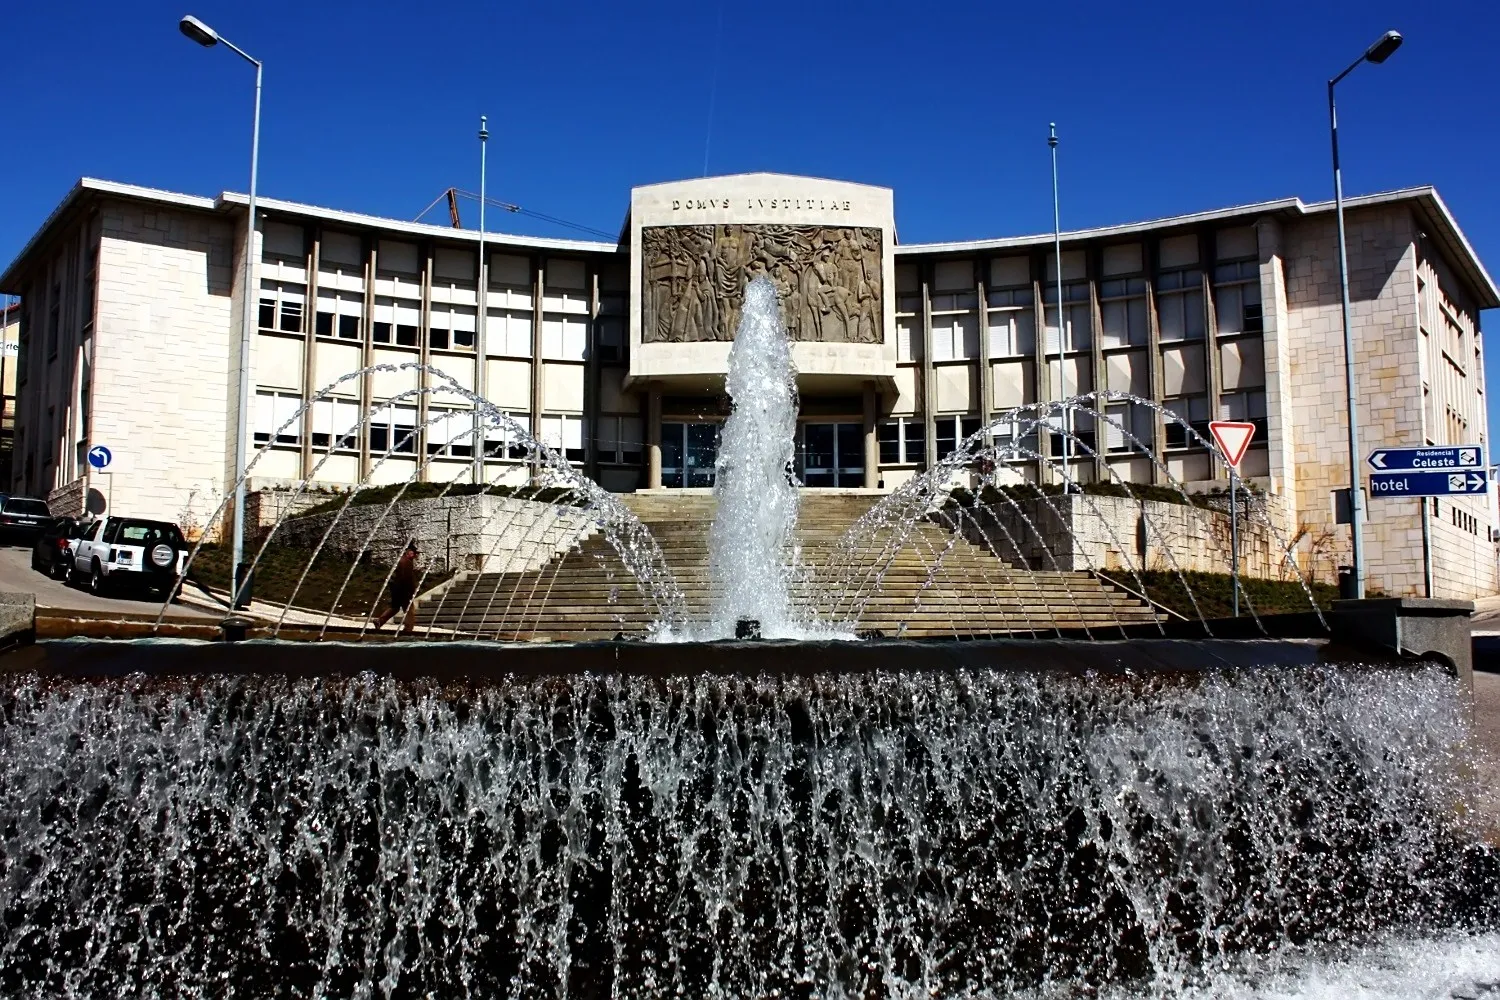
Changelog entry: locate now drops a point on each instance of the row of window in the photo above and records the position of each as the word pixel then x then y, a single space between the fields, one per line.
pixel 451 432
pixel 1128 428
pixel 1010 315
pixel 397 322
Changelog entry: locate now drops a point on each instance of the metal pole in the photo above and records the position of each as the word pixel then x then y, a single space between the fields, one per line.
pixel 1426 547
pixel 481 349
pixel 1062 378
pixel 248 297
pixel 1234 538
pixel 1356 497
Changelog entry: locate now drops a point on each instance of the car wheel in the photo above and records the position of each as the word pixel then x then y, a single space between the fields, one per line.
pixel 96 581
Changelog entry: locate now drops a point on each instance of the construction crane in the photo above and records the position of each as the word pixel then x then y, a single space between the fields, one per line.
pixel 453 194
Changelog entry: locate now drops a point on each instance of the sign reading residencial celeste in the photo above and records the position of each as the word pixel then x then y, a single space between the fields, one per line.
pixel 1455 470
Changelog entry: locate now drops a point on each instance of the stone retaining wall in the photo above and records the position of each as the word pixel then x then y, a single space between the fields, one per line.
pixel 1116 533
pixel 486 534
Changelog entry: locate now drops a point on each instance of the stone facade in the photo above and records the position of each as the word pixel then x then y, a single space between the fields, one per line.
pixel 1081 532
pixel 130 337
pixel 486 534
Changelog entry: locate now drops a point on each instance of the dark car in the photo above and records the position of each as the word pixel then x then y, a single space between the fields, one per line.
pixel 53 552
pixel 22 519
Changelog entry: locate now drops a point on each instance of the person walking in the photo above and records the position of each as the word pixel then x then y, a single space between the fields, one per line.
pixel 403 588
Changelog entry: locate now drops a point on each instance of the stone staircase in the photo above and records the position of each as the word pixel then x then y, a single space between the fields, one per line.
pixel 587 594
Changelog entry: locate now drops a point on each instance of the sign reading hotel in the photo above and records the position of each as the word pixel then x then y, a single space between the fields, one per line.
pixel 1457 470
pixel 828 246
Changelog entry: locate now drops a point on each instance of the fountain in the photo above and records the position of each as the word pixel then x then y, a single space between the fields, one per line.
pixel 1043 817
pixel 756 500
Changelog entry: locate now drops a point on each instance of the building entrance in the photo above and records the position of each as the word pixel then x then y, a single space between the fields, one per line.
pixel 831 454
pixel 688 453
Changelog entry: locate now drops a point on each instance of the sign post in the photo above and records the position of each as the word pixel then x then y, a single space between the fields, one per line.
pixel 1233 437
pixel 99 459
pixel 1428 472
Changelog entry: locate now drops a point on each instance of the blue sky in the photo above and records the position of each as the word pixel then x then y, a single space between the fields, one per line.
pixel 1162 108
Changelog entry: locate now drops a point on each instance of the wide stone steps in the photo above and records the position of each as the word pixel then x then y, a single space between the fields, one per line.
pixel 935 584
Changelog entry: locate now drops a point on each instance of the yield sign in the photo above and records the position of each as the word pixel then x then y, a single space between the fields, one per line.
pixel 1233 437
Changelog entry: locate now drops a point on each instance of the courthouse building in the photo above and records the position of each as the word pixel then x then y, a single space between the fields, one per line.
pixel 615 352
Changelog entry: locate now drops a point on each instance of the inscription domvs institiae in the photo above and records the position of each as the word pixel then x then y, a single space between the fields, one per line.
pixel 762 204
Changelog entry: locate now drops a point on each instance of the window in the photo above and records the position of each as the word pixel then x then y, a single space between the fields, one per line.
pixel 1016 439
pixel 564 338
pixel 1122 312
pixel 1127 427
pixel 1071 434
pixel 955 327
pixel 1078 312
pixel 953 431
pixel 450 432
pixel 54 321
pixel 1012 322
pixel 393 430
pixel 611 328
pixel 281 306
pixel 502 440
pixel 1179 305
pixel 452 328
pixel 1237 298
pixel 909 328
pixel 903 441
pixel 1248 406
pixel 335 425
pixel 276 416
pixel 396 321
pixel 620 440
pixel 339 314
pixel 1194 410
pixel 564 433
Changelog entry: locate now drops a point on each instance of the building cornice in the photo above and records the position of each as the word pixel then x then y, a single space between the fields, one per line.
pixel 1425 199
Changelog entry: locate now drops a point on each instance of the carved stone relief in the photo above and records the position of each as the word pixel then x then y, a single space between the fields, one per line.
pixel 693 280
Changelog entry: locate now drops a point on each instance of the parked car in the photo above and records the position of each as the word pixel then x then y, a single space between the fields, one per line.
pixel 53 552
pixel 130 553
pixel 22 519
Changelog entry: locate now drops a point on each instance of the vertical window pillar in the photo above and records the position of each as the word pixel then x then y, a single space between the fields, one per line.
pixel 310 349
pixel 872 445
pixel 653 437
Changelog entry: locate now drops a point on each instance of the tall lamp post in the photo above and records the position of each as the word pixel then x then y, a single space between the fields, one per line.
pixel 1377 53
pixel 208 37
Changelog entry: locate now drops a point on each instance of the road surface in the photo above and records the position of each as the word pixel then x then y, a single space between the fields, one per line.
pixel 17 576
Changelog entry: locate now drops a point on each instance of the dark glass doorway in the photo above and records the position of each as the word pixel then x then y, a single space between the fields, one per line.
pixel 688 453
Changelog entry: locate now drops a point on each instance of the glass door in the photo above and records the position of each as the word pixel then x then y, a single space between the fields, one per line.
pixel 831 454
pixel 688 454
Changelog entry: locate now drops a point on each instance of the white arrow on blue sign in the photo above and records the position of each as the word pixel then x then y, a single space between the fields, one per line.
pixel 1427 484
pixel 1462 456
pixel 100 457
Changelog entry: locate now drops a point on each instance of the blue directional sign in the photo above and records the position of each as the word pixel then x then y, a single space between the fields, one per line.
pixel 1447 459
pixel 100 457
pixel 1427 484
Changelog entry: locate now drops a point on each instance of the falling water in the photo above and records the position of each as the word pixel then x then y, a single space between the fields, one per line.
pixel 749 543
pixel 955 834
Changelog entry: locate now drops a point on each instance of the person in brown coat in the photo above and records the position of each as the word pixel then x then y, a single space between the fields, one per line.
pixel 403 588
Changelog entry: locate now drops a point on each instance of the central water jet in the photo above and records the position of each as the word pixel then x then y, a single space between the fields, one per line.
pixel 750 541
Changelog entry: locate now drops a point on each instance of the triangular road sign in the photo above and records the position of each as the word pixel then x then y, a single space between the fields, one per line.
pixel 1233 437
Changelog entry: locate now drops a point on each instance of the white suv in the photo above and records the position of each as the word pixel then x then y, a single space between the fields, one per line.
pixel 128 551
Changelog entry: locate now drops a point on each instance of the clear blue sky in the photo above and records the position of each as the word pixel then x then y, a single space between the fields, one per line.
pixel 1162 108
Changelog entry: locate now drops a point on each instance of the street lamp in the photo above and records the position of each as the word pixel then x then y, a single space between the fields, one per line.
pixel 1377 53
pixel 208 37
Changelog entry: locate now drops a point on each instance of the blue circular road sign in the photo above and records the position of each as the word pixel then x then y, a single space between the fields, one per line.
pixel 100 456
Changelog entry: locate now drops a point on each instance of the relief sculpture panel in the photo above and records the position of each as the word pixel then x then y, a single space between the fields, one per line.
pixel 828 277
